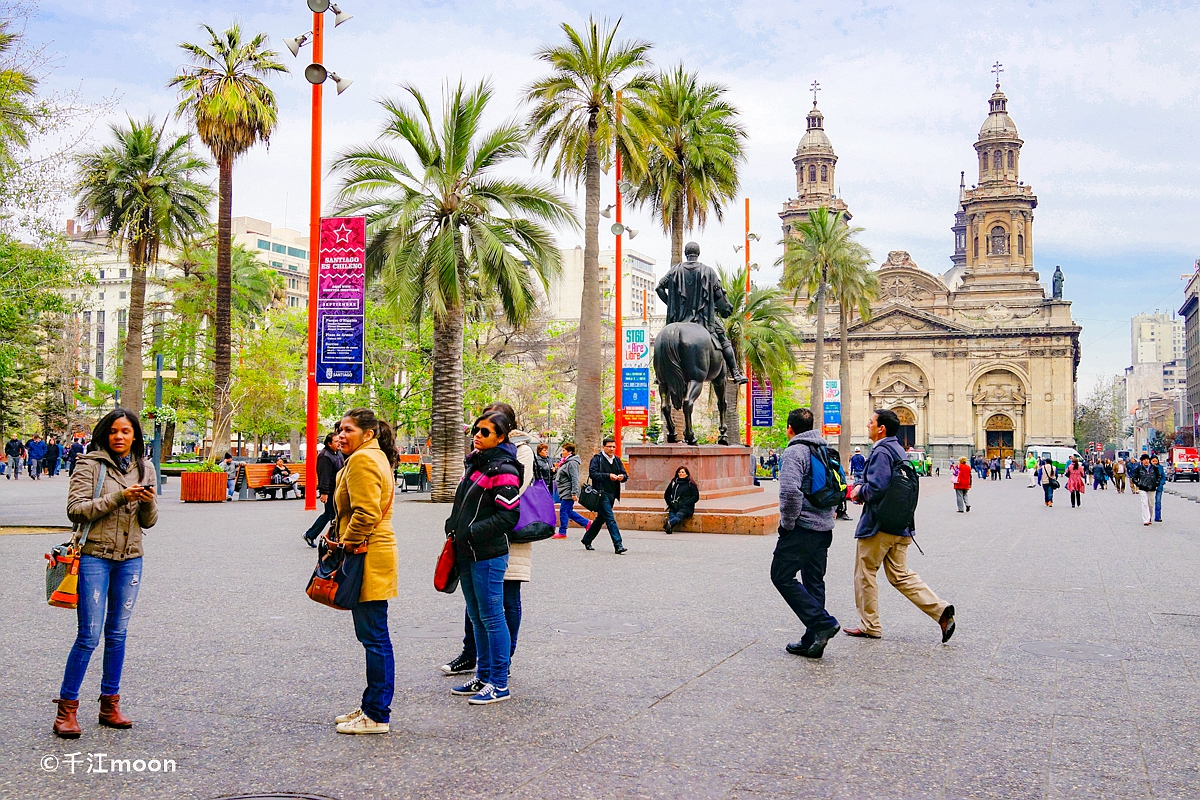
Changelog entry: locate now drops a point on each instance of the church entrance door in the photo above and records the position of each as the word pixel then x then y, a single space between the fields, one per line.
pixel 999 429
pixel 907 435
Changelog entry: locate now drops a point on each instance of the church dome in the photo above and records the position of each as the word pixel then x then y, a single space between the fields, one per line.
pixel 814 138
pixel 998 123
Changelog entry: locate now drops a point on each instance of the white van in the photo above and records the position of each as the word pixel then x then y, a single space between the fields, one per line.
pixel 1059 456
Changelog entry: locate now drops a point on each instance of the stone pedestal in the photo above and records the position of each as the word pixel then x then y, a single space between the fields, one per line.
pixel 729 500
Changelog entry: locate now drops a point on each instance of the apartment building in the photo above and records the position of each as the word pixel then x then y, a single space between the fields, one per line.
pixel 285 250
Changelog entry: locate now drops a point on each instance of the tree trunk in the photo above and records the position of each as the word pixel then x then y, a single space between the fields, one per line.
pixel 222 404
pixel 168 443
pixel 844 377
pixel 677 225
pixel 446 423
pixel 588 412
pixel 817 400
pixel 131 364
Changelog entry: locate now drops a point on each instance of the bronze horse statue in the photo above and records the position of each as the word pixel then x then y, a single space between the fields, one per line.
pixel 685 358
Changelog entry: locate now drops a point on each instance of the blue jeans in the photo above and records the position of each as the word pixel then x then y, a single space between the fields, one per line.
pixel 1049 492
pixel 806 552
pixel 107 592
pixel 604 517
pixel 512 616
pixel 677 518
pixel 35 467
pixel 1158 504
pixel 483 588
pixel 567 514
pixel 327 516
pixel 371 628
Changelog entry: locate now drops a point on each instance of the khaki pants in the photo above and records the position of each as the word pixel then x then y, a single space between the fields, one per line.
pixel 892 552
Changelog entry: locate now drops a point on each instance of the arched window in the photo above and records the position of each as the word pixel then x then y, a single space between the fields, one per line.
pixel 997 161
pixel 983 161
pixel 812 173
pixel 1020 244
pixel 824 173
pixel 999 241
pixel 1012 160
pixel 977 247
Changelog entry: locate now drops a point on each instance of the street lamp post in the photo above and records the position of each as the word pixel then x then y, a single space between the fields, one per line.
pixel 316 74
pixel 746 307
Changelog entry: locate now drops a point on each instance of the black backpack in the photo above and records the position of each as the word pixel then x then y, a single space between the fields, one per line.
pixel 825 484
pixel 897 509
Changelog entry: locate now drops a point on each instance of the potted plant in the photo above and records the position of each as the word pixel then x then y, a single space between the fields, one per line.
pixel 205 482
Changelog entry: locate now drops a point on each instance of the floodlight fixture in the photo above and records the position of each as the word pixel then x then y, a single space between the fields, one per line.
pixel 315 74
pixel 752 236
pixel 295 44
pixel 617 229
pixel 632 233
pixel 607 212
pixel 318 6
pixel 625 187
pixel 341 83
pixel 339 16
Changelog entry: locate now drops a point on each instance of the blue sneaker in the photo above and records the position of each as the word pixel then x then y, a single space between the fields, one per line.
pixel 469 688
pixel 489 694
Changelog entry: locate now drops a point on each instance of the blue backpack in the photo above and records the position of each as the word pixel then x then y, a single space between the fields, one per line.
pixel 825 484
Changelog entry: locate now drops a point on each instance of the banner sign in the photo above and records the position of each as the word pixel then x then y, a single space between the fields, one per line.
pixel 635 418
pixel 832 409
pixel 762 403
pixel 635 396
pixel 636 348
pixel 828 430
pixel 341 299
pixel 833 413
pixel 833 391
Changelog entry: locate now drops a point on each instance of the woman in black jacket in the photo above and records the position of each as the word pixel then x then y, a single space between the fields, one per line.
pixel 486 509
pixel 682 495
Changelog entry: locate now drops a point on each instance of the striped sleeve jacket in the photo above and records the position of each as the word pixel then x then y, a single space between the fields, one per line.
pixel 486 505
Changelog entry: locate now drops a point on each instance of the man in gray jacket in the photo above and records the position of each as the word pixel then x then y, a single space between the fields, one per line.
pixel 805 533
pixel 567 478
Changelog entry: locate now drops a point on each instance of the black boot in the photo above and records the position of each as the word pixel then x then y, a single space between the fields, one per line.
pixel 735 372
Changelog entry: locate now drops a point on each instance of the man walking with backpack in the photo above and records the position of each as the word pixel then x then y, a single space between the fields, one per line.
pixel 888 493
pixel 805 532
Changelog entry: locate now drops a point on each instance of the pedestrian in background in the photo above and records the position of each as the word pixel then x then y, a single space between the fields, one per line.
pixel 1008 467
pixel 35 451
pixel 543 467
pixel 962 484
pixel 568 483
pixel 111 494
pixel 1076 481
pixel 485 511
pixel 15 452
pixel 363 496
pixel 1158 490
pixel 607 473
pixel 857 463
pixel 1031 465
pixel 53 456
pixel 681 497
pixel 875 546
pixel 231 473
pixel 1144 477
pixel 329 463
pixel 1047 477
pixel 1118 474
pixel 1131 467
pixel 805 534
pixel 1098 479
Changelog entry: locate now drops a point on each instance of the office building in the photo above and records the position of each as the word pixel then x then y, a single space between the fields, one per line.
pixel 283 249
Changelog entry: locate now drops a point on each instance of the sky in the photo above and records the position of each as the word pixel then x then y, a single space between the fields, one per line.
pixel 1105 96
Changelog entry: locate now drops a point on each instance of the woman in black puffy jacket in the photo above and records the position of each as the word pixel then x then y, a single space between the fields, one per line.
pixel 682 495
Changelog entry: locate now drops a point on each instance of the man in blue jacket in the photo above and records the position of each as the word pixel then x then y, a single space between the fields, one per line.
pixel 805 533
pixel 889 548
pixel 36 451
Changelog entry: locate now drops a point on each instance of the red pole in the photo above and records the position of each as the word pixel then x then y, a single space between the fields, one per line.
pixel 617 333
pixel 314 244
pixel 749 419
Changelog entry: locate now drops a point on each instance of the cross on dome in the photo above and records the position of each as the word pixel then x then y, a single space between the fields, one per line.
pixel 997 68
pixel 816 87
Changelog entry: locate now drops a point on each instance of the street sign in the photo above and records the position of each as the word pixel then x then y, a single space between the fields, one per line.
pixel 636 347
pixel 341 300
pixel 762 402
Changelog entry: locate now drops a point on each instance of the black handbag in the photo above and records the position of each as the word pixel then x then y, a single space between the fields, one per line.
pixel 591 498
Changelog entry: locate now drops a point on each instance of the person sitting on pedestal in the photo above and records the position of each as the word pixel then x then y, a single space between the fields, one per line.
pixel 682 495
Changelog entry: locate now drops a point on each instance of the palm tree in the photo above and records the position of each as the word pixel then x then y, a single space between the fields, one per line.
pixel 139 188
pixel 853 287
pixel 762 334
pixel 695 151
pixel 222 91
pixel 574 121
pixel 823 244
pixel 443 228
pixel 18 117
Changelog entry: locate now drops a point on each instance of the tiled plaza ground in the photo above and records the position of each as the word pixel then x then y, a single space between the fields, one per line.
pixel 233 673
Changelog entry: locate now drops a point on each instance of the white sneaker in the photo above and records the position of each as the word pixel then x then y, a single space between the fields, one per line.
pixel 363 724
pixel 353 715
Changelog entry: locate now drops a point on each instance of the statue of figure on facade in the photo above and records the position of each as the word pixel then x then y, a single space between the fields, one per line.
pixel 1057 283
pixel 693 349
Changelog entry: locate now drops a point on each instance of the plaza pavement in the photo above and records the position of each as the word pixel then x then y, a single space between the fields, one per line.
pixel 233 673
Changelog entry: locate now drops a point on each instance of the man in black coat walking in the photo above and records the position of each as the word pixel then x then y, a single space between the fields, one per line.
pixel 607 474
pixel 329 463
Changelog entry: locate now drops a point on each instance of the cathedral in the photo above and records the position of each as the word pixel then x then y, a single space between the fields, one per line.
pixel 981 359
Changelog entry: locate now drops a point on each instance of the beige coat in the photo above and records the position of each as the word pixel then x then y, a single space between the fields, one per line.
pixel 520 554
pixel 364 496
pixel 117 524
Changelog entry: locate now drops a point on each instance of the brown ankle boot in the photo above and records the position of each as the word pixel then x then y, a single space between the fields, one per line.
pixel 110 712
pixel 66 725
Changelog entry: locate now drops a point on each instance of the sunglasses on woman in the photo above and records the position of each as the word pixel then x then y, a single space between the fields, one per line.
pixel 486 433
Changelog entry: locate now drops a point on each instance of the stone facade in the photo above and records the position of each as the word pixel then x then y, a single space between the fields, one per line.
pixel 980 359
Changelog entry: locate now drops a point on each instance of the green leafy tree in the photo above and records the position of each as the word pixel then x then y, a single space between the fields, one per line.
pixel 440 221
pixel 574 120
pixel 823 244
pixel 269 391
pixel 20 111
pixel 696 146
pixel 853 286
pixel 224 95
pixel 761 331
pixel 140 189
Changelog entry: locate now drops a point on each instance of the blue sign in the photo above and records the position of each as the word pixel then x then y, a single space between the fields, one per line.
pixel 833 413
pixel 762 403
pixel 635 387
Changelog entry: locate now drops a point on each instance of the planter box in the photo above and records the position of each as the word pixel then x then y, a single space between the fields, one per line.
pixel 203 487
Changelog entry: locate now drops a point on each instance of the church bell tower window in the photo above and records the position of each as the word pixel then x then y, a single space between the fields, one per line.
pixel 1020 244
pixel 1012 161
pixel 983 161
pixel 812 174
pixel 977 247
pixel 997 163
pixel 824 173
pixel 999 241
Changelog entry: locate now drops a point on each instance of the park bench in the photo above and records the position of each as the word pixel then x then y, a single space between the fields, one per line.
pixel 257 478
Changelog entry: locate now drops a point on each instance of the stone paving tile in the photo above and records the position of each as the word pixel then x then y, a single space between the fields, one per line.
pixel 1067 785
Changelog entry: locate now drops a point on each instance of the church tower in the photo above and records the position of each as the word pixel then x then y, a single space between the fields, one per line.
pixel 998 212
pixel 959 229
pixel 815 163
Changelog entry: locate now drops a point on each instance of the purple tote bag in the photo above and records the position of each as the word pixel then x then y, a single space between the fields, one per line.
pixel 538 515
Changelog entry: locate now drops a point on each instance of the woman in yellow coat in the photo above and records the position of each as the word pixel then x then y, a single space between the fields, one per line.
pixel 364 494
